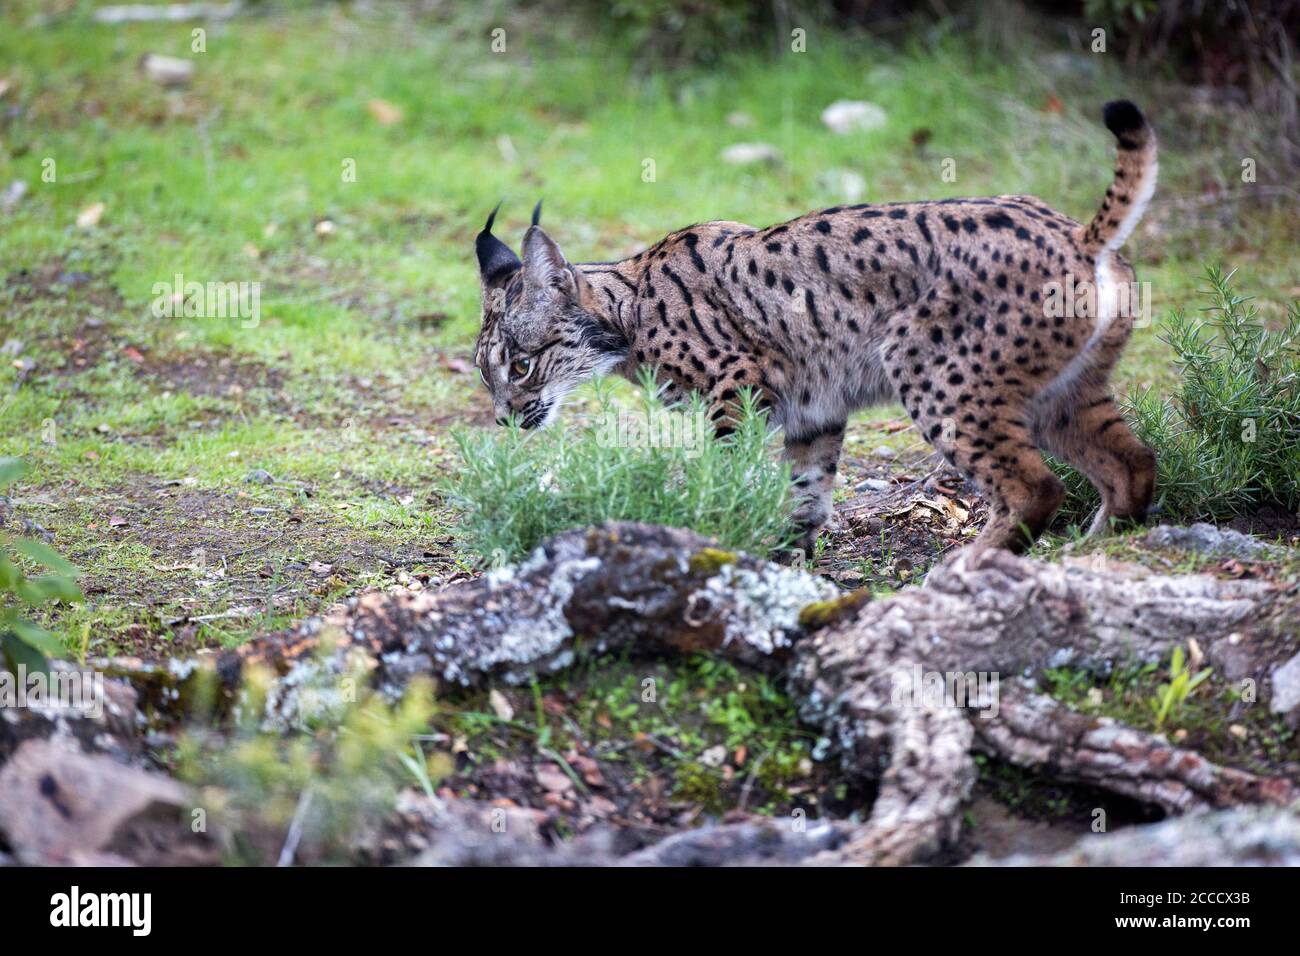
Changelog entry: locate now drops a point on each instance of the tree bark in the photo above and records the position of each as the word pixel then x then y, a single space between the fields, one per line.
pixel 861 671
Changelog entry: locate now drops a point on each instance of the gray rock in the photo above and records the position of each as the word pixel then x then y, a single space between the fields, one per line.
pixel 1286 687
pixel 60 806
pixel 1235 657
pixel 744 844
pixel 458 832
pixel 167 71
pixel 103 722
pixel 1206 539
pixel 873 484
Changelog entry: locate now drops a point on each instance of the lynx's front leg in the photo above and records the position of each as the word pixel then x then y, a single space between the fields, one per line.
pixel 814 459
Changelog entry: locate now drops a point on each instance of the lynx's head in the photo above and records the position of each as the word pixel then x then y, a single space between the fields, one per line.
pixel 538 342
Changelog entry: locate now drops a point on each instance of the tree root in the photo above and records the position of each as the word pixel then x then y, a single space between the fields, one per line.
pixel 1033 730
pixel 884 682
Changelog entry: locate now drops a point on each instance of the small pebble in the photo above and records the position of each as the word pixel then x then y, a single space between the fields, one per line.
pixel 850 578
pixel 744 154
pixel 874 484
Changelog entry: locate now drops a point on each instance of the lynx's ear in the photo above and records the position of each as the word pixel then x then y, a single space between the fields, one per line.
pixel 544 264
pixel 496 261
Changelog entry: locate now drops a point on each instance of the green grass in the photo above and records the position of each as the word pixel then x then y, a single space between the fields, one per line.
pixel 705 730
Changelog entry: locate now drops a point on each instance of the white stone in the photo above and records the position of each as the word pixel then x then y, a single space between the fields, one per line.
pixel 874 484
pixel 746 154
pixel 849 116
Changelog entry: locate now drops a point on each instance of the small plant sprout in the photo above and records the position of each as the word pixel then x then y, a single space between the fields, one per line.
pixel 21 640
pixel 1170 697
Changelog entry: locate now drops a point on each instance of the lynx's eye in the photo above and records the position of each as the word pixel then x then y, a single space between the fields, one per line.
pixel 520 367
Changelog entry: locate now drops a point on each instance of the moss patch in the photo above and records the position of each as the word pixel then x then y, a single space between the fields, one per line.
pixel 820 614
pixel 710 561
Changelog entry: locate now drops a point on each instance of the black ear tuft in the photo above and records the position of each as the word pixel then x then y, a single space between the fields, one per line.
pixel 537 212
pixel 492 217
pixel 496 260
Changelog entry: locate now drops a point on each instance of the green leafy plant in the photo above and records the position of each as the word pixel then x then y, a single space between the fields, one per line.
pixel 21 640
pixel 303 796
pixel 1170 697
pixel 679 31
pixel 516 488
pixel 1227 441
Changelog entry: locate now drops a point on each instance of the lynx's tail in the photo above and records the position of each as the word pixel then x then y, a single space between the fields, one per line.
pixel 1135 179
pixel 1126 199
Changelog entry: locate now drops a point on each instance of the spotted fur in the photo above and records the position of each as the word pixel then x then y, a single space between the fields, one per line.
pixel 942 306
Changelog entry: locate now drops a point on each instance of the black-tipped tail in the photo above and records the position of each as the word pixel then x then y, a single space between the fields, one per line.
pixel 1125 120
pixel 1135 178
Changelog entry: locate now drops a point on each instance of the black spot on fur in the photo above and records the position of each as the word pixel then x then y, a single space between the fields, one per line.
pixel 692 240
pixel 925 229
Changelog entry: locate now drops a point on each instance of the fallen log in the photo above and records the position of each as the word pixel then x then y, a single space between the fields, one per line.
pixel 1033 730
pixel 854 664
pixel 1245 836
pixel 862 671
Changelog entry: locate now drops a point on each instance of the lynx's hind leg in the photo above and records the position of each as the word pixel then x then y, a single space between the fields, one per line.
pixel 989 441
pixel 1022 491
pixel 1091 434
